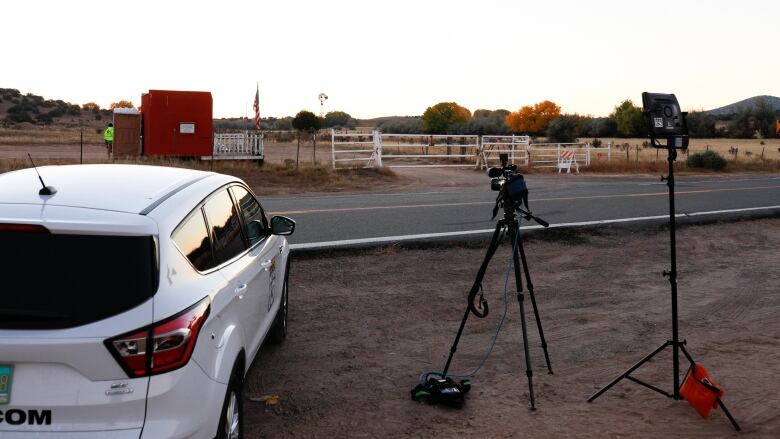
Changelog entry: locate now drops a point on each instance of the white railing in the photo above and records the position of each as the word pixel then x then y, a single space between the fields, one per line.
pixel 419 150
pixel 516 147
pixel 238 146
pixel 441 150
pixel 355 150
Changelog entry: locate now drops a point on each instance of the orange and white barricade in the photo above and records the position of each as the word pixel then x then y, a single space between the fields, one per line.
pixel 567 159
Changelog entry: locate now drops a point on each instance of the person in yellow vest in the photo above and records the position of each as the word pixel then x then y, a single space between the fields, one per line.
pixel 108 136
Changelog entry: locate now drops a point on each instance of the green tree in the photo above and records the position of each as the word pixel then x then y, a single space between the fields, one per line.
pixel 701 125
pixel 438 118
pixel 741 125
pixel 306 121
pixel 764 119
pixel 563 129
pixel 338 119
pixel 629 119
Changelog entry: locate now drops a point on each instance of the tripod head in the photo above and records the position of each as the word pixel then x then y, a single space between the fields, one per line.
pixel 512 192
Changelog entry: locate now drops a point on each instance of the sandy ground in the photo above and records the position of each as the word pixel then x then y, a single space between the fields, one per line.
pixel 364 325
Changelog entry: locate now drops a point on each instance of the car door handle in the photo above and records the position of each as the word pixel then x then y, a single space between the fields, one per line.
pixel 265 264
pixel 240 291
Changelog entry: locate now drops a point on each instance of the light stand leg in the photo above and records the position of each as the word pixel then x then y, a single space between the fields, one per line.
pixel 513 235
pixel 720 402
pixel 628 372
pixel 530 286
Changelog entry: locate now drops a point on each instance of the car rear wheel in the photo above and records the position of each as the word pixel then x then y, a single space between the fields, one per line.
pixel 231 421
pixel 278 330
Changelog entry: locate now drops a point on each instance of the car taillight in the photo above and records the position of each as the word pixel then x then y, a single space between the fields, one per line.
pixel 24 228
pixel 172 341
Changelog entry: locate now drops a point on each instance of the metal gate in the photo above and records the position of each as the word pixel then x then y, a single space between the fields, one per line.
pixel 355 150
pixel 425 150
pixel 514 146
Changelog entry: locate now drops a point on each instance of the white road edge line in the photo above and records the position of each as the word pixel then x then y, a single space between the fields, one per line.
pixel 389 239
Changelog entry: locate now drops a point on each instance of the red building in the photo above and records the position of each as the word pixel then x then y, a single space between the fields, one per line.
pixel 177 123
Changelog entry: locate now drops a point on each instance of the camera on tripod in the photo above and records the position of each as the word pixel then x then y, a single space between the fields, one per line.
pixel 510 184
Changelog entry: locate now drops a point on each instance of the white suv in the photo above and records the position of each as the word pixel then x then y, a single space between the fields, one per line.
pixel 133 301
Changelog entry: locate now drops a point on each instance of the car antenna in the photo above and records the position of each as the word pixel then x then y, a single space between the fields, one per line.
pixel 45 190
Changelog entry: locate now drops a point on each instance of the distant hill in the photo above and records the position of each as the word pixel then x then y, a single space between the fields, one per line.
pixel 730 109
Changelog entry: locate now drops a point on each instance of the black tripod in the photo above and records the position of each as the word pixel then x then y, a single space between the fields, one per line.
pixel 676 344
pixel 511 223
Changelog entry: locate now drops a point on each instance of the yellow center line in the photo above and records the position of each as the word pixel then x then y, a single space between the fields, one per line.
pixel 535 200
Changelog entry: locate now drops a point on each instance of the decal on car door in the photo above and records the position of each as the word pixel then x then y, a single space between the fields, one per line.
pixel 272 276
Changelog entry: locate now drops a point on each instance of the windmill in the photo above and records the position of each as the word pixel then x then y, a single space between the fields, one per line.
pixel 322 97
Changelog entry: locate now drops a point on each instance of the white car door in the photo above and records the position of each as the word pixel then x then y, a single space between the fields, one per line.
pixel 248 278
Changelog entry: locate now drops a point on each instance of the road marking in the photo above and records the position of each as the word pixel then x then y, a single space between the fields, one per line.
pixel 535 200
pixel 719 180
pixel 390 239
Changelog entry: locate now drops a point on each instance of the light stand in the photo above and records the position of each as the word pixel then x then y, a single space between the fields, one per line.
pixel 669 119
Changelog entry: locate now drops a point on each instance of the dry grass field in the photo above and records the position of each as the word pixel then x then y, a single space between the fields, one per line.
pixel 747 148
pixel 627 155
pixel 50 136
pixel 270 178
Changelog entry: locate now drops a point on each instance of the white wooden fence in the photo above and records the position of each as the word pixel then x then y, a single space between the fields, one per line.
pixel 351 150
pixel 237 146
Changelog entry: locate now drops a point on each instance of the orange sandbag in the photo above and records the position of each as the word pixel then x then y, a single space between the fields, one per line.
pixel 700 391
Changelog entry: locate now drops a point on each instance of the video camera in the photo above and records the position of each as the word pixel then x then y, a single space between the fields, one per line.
pixel 510 184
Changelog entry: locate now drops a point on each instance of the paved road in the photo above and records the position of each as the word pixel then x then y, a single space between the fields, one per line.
pixel 558 199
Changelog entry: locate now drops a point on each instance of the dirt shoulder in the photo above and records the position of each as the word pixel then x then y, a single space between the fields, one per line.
pixel 364 325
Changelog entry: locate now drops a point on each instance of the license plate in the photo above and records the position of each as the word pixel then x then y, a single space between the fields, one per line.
pixel 6 379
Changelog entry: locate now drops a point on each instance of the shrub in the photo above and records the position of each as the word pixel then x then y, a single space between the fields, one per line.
pixel 596 143
pixel 19 117
pixel 45 118
pixel 706 160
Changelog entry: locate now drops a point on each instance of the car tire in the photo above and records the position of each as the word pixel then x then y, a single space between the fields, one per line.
pixel 278 331
pixel 231 418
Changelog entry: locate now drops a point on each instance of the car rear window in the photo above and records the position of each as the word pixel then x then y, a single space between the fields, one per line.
pixel 192 238
pixel 52 281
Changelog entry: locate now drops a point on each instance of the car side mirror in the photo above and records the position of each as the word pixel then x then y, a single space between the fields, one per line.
pixel 281 225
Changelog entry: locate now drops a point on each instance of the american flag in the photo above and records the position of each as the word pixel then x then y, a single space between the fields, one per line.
pixel 256 107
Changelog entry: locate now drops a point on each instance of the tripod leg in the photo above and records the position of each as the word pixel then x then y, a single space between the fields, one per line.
pixel 513 234
pixel 533 302
pixel 454 346
pixel 477 282
pixel 628 372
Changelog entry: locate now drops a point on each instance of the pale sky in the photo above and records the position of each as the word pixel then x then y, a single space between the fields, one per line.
pixel 382 58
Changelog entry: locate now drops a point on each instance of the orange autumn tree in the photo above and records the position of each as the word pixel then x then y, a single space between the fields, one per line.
pixel 533 120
